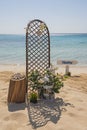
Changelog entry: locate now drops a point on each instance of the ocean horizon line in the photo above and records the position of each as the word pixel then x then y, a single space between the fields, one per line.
pixel 52 33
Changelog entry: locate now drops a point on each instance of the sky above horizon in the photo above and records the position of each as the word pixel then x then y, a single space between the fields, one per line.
pixel 61 16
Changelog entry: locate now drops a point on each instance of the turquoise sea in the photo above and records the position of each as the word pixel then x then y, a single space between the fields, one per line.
pixel 63 47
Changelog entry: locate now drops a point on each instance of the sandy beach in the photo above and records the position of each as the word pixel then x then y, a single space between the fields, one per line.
pixel 67 112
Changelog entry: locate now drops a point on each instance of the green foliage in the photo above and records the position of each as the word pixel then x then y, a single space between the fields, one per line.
pixel 55 81
pixel 52 79
pixel 66 76
pixel 33 97
pixel 57 84
pixel 34 77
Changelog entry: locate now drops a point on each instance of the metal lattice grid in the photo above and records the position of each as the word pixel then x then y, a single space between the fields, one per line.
pixel 37 47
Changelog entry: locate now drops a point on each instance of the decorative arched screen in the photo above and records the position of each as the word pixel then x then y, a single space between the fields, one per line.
pixel 37 47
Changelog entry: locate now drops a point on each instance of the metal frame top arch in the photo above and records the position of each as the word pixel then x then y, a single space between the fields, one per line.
pixel 38 21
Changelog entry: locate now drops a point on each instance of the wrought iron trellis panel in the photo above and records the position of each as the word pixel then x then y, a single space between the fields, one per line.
pixel 37 47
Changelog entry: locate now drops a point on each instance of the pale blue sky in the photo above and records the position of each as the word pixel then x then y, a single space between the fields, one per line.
pixel 61 16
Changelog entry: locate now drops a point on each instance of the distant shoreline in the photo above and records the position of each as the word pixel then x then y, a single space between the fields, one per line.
pixel 71 33
pixel 66 34
pixel 17 68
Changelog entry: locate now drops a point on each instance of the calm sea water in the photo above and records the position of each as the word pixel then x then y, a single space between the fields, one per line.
pixel 63 47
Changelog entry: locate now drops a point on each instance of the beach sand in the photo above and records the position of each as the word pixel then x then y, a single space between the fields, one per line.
pixel 67 112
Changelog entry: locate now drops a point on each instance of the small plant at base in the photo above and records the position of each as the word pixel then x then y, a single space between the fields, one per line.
pixel 33 97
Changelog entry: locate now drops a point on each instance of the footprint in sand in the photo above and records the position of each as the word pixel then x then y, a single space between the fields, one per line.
pixel 80 100
pixel 80 109
pixel 72 114
pixel 19 117
pixel 9 126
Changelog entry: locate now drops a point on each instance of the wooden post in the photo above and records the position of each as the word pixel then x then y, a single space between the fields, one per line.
pixel 17 91
pixel 67 69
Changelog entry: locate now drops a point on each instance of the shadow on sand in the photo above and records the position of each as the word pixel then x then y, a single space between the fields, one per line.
pixel 45 110
pixel 16 106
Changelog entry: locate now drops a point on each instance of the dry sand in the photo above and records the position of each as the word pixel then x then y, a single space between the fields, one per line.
pixel 67 112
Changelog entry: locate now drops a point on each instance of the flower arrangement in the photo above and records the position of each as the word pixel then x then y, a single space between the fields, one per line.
pixel 38 81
